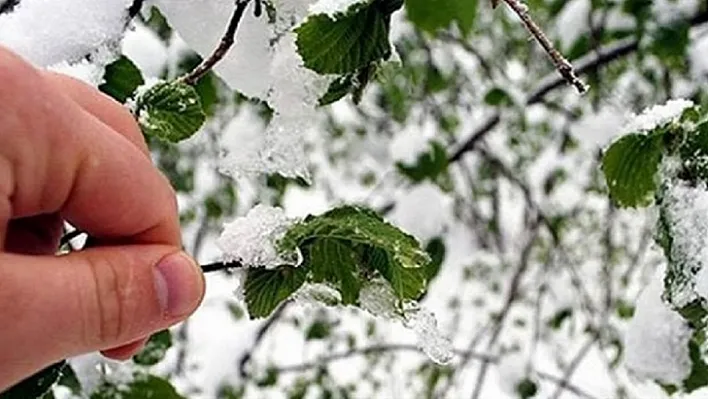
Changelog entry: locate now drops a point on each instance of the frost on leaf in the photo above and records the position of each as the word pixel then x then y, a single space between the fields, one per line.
pixel 685 224
pixel 378 298
pixel 657 342
pixel 657 115
pixel 263 64
pixel 252 239
pixel 316 294
pixel 430 339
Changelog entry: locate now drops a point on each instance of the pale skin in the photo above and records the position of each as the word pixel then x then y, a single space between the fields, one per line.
pixel 67 152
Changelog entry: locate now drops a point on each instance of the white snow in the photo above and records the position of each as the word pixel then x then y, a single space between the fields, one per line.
pixel 423 211
pixel 378 298
pixel 687 213
pixel 430 340
pixel 142 46
pixel 668 11
pixel 263 63
pixel 656 343
pixel 201 24
pixel 410 142
pixel 512 370
pixel 332 7
pixel 47 32
pixel 657 116
pixel 252 239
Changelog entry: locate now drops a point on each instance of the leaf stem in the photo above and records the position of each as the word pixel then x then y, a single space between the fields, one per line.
pixel 206 268
pixel 219 266
pixel 564 67
pixel 227 40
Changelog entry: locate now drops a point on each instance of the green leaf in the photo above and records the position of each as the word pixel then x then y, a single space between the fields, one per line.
pixel 319 329
pixel 155 349
pixel 69 380
pixel 557 320
pixel 497 97
pixel 669 43
pixel 630 166
pixel 698 377
pixel 694 153
pixel 121 79
pixel 343 45
pixel 433 15
pixel 407 283
pixel 436 250
pixel 430 165
pixel 143 386
pixel 334 261
pixel 170 111
pixel 526 389
pixel 338 89
pixel 37 385
pixel 378 246
pixel 265 289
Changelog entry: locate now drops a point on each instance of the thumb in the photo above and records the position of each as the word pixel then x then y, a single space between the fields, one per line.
pixel 100 298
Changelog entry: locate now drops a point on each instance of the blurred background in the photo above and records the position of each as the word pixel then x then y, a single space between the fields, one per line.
pixel 477 147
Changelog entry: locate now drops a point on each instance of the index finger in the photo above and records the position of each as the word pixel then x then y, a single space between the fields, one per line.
pixel 63 159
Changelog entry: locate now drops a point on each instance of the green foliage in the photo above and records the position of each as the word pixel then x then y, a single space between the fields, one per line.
pixel 698 377
pixel 433 15
pixel 630 166
pixel 266 289
pixel 143 386
pixel 69 380
pixel 319 329
pixel 694 153
pixel 431 165
pixel 353 83
pixel 526 389
pixel 334 261
pixel 155 349
pixel 345 44
pixel 121 79
pixel 170 111
pixel 341 248
pixel 670 43
pixel 557 320
pixel 37 385
pixel 498 97
pixel 436 250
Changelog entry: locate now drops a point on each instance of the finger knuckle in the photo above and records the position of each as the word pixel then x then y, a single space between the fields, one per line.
pixel 109 321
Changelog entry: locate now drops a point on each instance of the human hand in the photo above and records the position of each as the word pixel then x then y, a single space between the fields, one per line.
pixel 67 152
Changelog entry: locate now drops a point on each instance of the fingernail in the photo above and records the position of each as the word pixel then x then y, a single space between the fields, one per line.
pixel 178 283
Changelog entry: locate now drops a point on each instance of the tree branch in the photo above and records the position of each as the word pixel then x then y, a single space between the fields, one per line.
pixel 135 8
pixel 585 65
pixel 562 65
pixel 260 335
pixel 219 53
pixel 381 348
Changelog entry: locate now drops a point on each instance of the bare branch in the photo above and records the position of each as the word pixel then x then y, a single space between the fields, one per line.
pixel 260 335
pixel 564 67
pixel 219 53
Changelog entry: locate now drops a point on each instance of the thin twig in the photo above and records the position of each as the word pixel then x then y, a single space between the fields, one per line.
pixel 225 44
pixel 66 238
pixel 551 82
pixel 382 348
pixel 564 67
pixel 568 374
pixel 8 5
pixel 135 8
pixel 511 297
pixel 260 335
